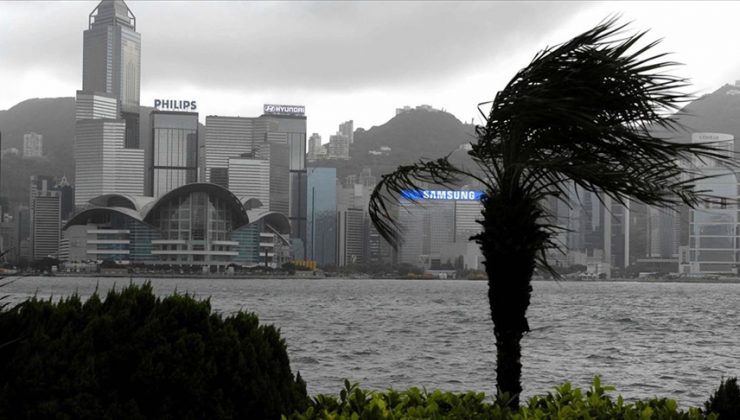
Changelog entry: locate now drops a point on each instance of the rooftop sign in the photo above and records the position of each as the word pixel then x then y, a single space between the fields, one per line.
pixel 448 195
pixel 175 105
pixel 297 110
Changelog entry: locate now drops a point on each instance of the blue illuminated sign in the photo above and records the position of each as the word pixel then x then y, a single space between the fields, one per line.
pixel 462 195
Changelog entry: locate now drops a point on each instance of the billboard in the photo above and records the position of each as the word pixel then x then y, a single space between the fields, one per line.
pixel 296 110
pixel 175 105
pixel 447 195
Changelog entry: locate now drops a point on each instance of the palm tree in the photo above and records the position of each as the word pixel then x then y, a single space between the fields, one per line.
pixel 584 113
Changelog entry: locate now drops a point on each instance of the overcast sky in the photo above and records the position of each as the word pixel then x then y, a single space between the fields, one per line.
pixel 344 60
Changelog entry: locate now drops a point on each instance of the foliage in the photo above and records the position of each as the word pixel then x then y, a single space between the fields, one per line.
pixel 592 114
pixel 726 400
pixel 133 355
pixel 565 402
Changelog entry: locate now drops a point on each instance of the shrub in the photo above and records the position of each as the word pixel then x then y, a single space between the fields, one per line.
pixel 134 355
pixel 725 401
pixel 565 402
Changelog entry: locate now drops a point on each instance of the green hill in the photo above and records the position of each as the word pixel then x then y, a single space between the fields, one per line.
pixel 54 118
pixel 411 136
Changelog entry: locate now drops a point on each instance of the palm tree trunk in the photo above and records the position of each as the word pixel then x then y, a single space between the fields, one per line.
pixel 509 241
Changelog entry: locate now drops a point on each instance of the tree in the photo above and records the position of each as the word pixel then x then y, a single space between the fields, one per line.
pixel 584 113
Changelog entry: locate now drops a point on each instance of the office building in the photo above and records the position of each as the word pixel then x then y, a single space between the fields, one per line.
pixel 249 178
pixel 350 236
pixel 103 165
pixel 107 154
pixel 67 197
pixel 111 61
pixel 46 224
pixel 226 137
pixel 33 145
pixel 347 129
pixel 338 147
pixel 316 150
pixel 290 120
pixel 174 150
pixel 713 226
pixel 322 216
pixel 95 105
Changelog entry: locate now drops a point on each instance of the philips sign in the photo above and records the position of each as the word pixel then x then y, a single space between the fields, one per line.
pixel 175 105
pixel 299 110
pixel 463 195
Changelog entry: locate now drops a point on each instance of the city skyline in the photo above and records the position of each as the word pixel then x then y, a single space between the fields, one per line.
pixel 464 51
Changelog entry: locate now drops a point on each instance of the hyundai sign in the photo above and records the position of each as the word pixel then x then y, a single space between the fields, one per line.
pixel 296 110
pixel 175 105
pixel 460 195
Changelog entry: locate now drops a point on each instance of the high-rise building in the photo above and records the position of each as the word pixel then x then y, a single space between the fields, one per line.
pixel 103 165
pixel 107 154
pixel 347 129
pixel 338 147
pixel 45 205
pixel 33 145
pixel 250 179
pixel 291 121
pixel 322 216
pixel 713 226
pixel 67 197
pixel 226 137
pixel 174 150
pixel 111 61
pixel 315 149
pixel 46 225
pixel 350 236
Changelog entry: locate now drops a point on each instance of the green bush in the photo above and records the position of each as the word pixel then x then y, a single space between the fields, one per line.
pixel 134 355
pixel 565 402
pixel 725 401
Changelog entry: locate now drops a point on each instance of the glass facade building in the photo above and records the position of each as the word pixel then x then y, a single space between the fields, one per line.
pixel 195 224
pixel 174 150
pixel 322 216
pixel 714 227
pixel 294 128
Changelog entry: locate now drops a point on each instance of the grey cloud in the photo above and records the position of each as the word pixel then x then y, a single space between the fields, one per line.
pixel 259 46
pixel 332 45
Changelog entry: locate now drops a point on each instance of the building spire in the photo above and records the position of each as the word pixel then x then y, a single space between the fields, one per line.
pixel 112 12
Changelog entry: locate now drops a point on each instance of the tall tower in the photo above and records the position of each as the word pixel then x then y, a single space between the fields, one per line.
pixel 111 57
pixel 108 157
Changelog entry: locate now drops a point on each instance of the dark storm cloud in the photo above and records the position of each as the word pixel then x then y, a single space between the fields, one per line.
pixel 332 45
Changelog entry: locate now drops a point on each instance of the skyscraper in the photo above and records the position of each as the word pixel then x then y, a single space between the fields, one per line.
pixel 250 178
pixel 111 61
pixel 107 154
pixel 226 137
pixel 291 120
pixel 174 150
pixel 322 216
pixel 347 128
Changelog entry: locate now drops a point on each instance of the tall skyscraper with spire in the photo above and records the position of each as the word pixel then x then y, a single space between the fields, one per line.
pixel 108 156
pixel 111 61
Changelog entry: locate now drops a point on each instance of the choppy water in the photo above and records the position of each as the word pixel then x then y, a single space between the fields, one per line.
pixel 672 340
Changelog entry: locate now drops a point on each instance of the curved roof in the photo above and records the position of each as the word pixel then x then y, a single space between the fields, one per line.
pixel 251 203
pixel 276 220
pixel 121 200
pixel 82 217
pixel 228 196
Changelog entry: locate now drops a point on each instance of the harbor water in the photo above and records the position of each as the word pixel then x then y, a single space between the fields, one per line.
pixel 672 340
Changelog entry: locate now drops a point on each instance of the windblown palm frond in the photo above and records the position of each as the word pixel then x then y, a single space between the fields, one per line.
pixel 390 190
pixel 584 112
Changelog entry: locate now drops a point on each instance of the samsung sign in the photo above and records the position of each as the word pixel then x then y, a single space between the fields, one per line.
pixel 285 109
pixel 175 105
pixel 442 195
